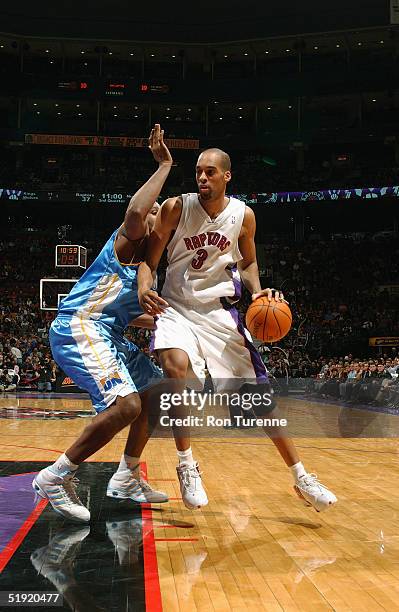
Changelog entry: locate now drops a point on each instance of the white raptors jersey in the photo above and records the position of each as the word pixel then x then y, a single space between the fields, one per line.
pixel 202 254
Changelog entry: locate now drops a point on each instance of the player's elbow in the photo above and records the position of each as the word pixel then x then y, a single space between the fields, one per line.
pixel 134 225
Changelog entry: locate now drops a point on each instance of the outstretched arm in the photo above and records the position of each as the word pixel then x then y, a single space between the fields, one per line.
pixel 134 225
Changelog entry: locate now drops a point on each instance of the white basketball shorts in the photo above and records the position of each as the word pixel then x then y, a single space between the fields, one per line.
pixel 215 339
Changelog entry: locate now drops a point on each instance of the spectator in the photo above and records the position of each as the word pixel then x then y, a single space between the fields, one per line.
pixel 46 376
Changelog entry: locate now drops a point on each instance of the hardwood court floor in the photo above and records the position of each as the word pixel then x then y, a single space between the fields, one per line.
pixel 255 547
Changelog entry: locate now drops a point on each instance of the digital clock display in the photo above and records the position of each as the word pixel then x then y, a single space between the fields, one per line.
pixel 70 256
pixel 111 198
pixel 67 255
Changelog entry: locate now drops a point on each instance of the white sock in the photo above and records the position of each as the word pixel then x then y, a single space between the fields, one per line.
pixel 186 457
pixel 63 467
pixel 129 465
pixel 298 471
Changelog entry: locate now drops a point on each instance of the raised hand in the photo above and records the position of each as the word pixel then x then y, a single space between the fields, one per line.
pixel 158 148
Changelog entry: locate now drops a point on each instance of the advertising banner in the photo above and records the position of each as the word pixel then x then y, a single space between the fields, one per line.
pixel 384 341
pixel 106 141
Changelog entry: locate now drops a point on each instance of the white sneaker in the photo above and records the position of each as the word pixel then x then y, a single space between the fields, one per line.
pixel 61 493
pixel 314 493
pixel 192 491
pixel 136 489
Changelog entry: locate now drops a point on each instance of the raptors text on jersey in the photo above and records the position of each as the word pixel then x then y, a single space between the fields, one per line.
pixel 203 254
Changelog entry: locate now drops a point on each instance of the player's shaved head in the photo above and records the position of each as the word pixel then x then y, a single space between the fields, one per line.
pixel 223 159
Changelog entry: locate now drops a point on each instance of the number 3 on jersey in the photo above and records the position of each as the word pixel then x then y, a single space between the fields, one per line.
pixel 198 261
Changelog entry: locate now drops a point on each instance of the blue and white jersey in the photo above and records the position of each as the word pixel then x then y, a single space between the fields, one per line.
pixel 106 293
pixel 87 338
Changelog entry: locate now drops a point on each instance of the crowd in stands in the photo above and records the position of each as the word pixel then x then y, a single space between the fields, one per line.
pixel 372 380
pixel 338 290
pixel 248 178
pixel 124 170
pixel 80 171
pixel 252 175
pixel 335 312
pixel 25 355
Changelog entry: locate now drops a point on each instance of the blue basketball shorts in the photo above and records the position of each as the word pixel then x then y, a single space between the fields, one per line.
pixel 104 365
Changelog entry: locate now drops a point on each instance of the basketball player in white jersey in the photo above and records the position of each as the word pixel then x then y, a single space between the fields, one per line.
pixel 211 249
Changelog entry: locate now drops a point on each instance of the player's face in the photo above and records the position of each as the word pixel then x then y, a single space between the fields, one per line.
pixel 151 216
pixel 210 176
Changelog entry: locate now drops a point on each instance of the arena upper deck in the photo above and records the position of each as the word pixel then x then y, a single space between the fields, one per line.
pixel 219 21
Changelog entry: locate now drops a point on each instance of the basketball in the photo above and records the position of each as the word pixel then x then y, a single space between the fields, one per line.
pixel 268 321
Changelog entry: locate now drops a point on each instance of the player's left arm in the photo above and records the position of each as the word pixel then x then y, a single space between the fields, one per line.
pixel 248 266
pixel 134 224
pixel 145 321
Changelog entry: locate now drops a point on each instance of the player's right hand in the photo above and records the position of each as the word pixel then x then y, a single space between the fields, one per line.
pixel 158 148
pixel 270 294
pixel 152 303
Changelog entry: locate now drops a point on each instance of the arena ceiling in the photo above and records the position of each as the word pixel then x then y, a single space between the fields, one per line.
pixel 185 21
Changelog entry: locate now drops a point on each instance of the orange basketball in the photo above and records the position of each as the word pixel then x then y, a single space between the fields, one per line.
pixel 268 321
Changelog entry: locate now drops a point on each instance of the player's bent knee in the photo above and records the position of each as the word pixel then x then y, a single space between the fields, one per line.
pixel 174 369
pixel 129 408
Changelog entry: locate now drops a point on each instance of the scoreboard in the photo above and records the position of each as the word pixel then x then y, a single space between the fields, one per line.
pixel 70 256
pixel 111 88
pixel 65 196
pixel 53 290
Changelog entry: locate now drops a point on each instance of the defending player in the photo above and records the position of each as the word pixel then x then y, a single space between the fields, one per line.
pixel 88 344
pixel 210 246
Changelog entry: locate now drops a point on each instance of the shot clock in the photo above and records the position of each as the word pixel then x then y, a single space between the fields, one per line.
pixel 70 256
